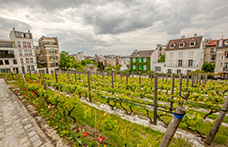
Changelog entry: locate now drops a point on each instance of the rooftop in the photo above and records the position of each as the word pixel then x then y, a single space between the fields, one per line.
pixel 142 53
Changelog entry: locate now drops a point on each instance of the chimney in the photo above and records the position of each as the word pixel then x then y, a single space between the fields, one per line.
pixel 183 37
pixel 13 29
pixel 29 31
pixel 220 42
pixel 210 39
pixel 195 35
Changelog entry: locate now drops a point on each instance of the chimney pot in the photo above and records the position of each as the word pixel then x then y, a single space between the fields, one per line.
pixel 29 31
pixel 13 29
pixel 183 37
pixel 195 35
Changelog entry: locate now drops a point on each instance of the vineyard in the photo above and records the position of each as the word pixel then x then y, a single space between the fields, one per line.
pixel 109 110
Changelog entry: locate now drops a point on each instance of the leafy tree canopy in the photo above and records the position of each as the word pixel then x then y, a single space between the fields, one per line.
pixel 162 58
pixel 208 67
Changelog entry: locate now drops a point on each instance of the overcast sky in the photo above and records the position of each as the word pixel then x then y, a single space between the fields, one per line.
pixel 114 26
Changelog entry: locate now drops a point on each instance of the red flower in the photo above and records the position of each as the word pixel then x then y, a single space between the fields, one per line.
pixel 38 103
pixel 43 97
pixel 25 93
pixel 84 134
pixel 34 92
pixel 24 89
pixel 101 139
pixel 34 106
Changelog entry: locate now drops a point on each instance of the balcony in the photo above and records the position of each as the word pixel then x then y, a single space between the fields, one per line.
pixel 225 69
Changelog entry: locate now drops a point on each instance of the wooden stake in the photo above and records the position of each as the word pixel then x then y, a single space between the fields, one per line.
pixel 155 98
pixel 217 123
pixel 139 77
pixel 44 83
pixel 56 77
pixel 75 76
pixel 127 78
pixel 162 76
pixel 88 73
pixel 172 127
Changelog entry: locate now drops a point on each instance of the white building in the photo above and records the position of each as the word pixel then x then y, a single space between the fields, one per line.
pixel 26 52
pixel 79 56
pixel 9 57
pixel 184 55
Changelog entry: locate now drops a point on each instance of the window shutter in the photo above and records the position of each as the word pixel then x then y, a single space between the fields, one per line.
pixel 132 60
pixel 147 66
pixel 131 66
pixel 142 59
pixel 146 59
pixel 142 66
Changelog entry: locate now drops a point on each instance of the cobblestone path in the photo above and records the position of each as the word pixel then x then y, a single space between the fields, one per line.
pixel 16 128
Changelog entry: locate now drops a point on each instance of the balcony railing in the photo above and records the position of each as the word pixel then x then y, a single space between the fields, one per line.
pixel 225 69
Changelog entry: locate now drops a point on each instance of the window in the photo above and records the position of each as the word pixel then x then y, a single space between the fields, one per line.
pixel 28 68
pixel 6 62
pixel 18 44
pixel 178 71
pixel 172 45
pixel 27 35
pixel 46 42
pixel 192 43
pixel 160 49
pixel 26 60
pixel 160 54
pixel 1 62
pixel 24 44
pixel 169 71
pixel 221 64
pixel 22 61
pixel 212 50
pixel 30 52
pixel 157 68
pixel 190 63
pixel 226 54
pixel 213 57
pixel 29 44
pixel 5 70
pixel 32 68
pixel 14 61
pixel 188 71
pixel 180 54
pixel 190 53
pixel 55 51
pixel 20 52
pixel 31 60
pixel 171 54
pixel 181 45
pixel 6 44
pixel 50 51
pixel 226 42
pixel 180 63
pixel 6 54
pixel 133 66
pixel 26 52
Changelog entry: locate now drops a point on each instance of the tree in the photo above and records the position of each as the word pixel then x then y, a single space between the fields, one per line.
pixel 75 64
pixel 162 58
pixel 64 60
pixel 118 66
pixel 208 67
pixel 86 61
pixel 100 66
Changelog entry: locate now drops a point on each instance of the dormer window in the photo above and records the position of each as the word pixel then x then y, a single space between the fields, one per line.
pixel 181 45
pixel 192 43
pixel 226 42
pixel 172 45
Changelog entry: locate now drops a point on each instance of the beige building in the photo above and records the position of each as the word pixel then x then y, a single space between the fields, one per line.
pixel 209 47
pixel 48 53
pixel 221 65
pixel 26 52
pixel 79 56
pixel 160 50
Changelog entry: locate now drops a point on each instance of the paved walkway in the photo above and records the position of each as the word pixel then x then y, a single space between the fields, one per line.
pixel 17 129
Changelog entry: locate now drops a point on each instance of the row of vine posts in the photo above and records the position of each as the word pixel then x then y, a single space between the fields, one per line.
pixel 174 123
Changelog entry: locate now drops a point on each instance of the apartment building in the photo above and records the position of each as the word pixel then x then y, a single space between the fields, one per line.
pixel 209 47
pixel 25 52
pixel 142 60
pixel 48 53
pixel 221 65
pixel 160 50
pixel 9 57
pixel 79 56
pixel 184 55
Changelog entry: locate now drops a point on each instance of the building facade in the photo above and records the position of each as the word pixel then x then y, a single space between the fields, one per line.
pixel 9 57
pixel 79 56
pixel 209 47
pixel 221 65
pixel 48 53
pixel 184 55
pixel 25 51
pixel 142 60
pixel 160 50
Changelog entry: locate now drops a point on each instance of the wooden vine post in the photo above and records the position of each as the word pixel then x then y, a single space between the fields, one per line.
pixel 139 77
pixel 187 81
pixel 121 75
pixel 56 77
pixel 75 76
pixel 112 82
pixel 12 75
pixel 205 80
pixel 172 127
pixel 30 73
pixel 155 98
pixel 151 77
pixel 115 75
pixel 197 79
pixel 67 74
pixel 40 75
pixel 172 90
pixel 217 123
pixel 180 85
pixel 102 75
pixel 193 76
pixel 162 76
pixel 44 83
pixel 126 78
pixel 88 73
pixel 166 76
